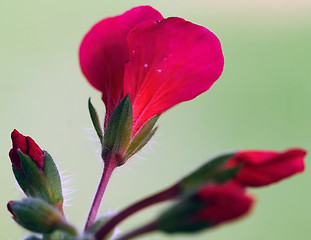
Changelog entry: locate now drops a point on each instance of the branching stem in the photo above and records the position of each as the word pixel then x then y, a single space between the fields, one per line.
pixel 164 195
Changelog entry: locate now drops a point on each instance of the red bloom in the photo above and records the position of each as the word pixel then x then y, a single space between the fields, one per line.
pixel 222 203
pixel 261 168
pixel 160 62
pixel 27 146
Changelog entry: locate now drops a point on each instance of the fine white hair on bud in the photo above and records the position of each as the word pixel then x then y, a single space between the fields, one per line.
pixel 67 187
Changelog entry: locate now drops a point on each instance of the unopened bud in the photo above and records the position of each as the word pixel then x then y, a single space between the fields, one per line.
pixel 38 216
pixel 209 206
pixel 35 170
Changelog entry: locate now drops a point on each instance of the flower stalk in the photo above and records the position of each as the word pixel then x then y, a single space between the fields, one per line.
pixel 167 194
pixel 107 172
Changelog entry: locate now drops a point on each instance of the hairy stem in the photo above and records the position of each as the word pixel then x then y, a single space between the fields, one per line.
pixel 164 195
pixel 110 165
pixel 150 227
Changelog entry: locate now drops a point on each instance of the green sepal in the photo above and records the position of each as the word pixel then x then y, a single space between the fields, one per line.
pixel 226 174
pixel 177 219
pixel 142 137
pixel 23 181
pixel 211 171
pixel 35 177
pixel 95 120
pixel 53 181
pixel 119 130
pixel 39 216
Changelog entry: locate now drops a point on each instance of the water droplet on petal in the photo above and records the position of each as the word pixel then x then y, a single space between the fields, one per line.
pixel 146 65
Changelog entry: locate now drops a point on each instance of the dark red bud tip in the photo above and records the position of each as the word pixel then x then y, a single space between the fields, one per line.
pixel 9 206
pixel 27 146
pixel 18 142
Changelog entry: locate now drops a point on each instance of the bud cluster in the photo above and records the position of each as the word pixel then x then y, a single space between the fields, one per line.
pixel 37 175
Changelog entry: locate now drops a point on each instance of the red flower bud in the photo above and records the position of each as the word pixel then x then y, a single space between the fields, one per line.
pixel 261 168
pixel 210 205
pixel 222 203
pixel 159 62
pixel 27 146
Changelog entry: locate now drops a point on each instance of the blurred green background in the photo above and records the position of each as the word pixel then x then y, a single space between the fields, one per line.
pixel 262 101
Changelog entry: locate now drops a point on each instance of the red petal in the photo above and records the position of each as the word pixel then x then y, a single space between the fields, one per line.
pixel 27 146
pixel 170 62
pixel 18 142
pixel 104 52
pixel 35 152
pixel 262 170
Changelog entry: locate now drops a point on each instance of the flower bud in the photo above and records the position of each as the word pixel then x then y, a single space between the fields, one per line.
pixel 35 170
pixel 209 206
pixel 38 216
pixel 260 168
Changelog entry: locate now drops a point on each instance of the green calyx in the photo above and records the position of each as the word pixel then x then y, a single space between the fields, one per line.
pixel 39 216
pixel 118 140
pixel 40 183
pixel 119 131
pixel 211 171
pixel 179 218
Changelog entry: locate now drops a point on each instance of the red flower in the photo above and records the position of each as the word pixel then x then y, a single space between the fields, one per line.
pixel 222 203
pixel 160 62
pixel 27 146
pixel 261 168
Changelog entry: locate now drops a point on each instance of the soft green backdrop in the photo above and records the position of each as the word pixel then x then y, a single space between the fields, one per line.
pixel 261 101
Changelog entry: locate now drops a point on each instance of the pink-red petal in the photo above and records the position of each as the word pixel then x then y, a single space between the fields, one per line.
pixel 35 152
pixel 260 168
pixel 104 52
pixel 171 61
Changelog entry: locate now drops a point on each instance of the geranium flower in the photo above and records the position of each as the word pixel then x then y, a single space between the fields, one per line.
pixel 159 62
pixel 260 168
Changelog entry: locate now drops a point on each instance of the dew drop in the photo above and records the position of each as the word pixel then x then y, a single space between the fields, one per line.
pixel 159 70
pixel 146 65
